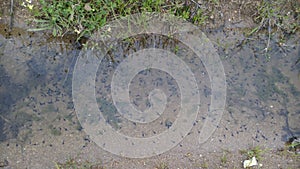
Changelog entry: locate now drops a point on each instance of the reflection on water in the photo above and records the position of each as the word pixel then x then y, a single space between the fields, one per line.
pixel 37 112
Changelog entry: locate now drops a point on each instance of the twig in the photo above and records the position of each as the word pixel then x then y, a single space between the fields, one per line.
pixel 269 35
pixel 198 5
pixel 11 14
pixel 6 120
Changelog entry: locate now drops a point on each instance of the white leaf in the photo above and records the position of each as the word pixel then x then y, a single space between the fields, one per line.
pixel 250 163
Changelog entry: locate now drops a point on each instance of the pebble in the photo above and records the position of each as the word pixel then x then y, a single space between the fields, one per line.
pixel 3 163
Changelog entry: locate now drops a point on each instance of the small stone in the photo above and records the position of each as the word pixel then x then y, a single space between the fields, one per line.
pixel 87 7
pixel 3 163
pixel 168 123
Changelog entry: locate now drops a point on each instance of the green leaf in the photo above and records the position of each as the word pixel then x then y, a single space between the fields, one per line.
pixel 40 21
pixel 38 29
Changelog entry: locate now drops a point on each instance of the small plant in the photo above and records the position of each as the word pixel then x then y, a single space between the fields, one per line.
pixel 293 145
pixel 162 166
pixel 224 158
pixel 204 165
pixel 254 152
pixel 74 164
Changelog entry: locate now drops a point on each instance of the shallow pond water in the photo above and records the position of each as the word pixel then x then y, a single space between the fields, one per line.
pixel 38 122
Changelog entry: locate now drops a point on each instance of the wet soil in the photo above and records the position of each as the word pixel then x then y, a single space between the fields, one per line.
pixel 38 122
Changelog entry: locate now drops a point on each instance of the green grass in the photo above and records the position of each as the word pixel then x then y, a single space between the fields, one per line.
pixel 256 152
pixel 293 145
pixel 84 17
pixel 224 158
pixel 277 16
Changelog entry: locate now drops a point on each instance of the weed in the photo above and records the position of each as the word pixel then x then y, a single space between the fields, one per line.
pixel 84 17
pixel 224 158
pixel 254 152
pixel 279 15
pixel 176 49
pixel 204 165
pixel 73 164
pixel 293 145
pixel 162 166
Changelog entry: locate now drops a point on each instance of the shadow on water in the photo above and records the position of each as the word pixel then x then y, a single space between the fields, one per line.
pixel 30 61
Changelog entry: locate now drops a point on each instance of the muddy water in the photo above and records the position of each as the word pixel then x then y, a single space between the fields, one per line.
pixel 38 122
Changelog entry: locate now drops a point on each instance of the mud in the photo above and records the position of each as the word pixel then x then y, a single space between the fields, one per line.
pixel 38 122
